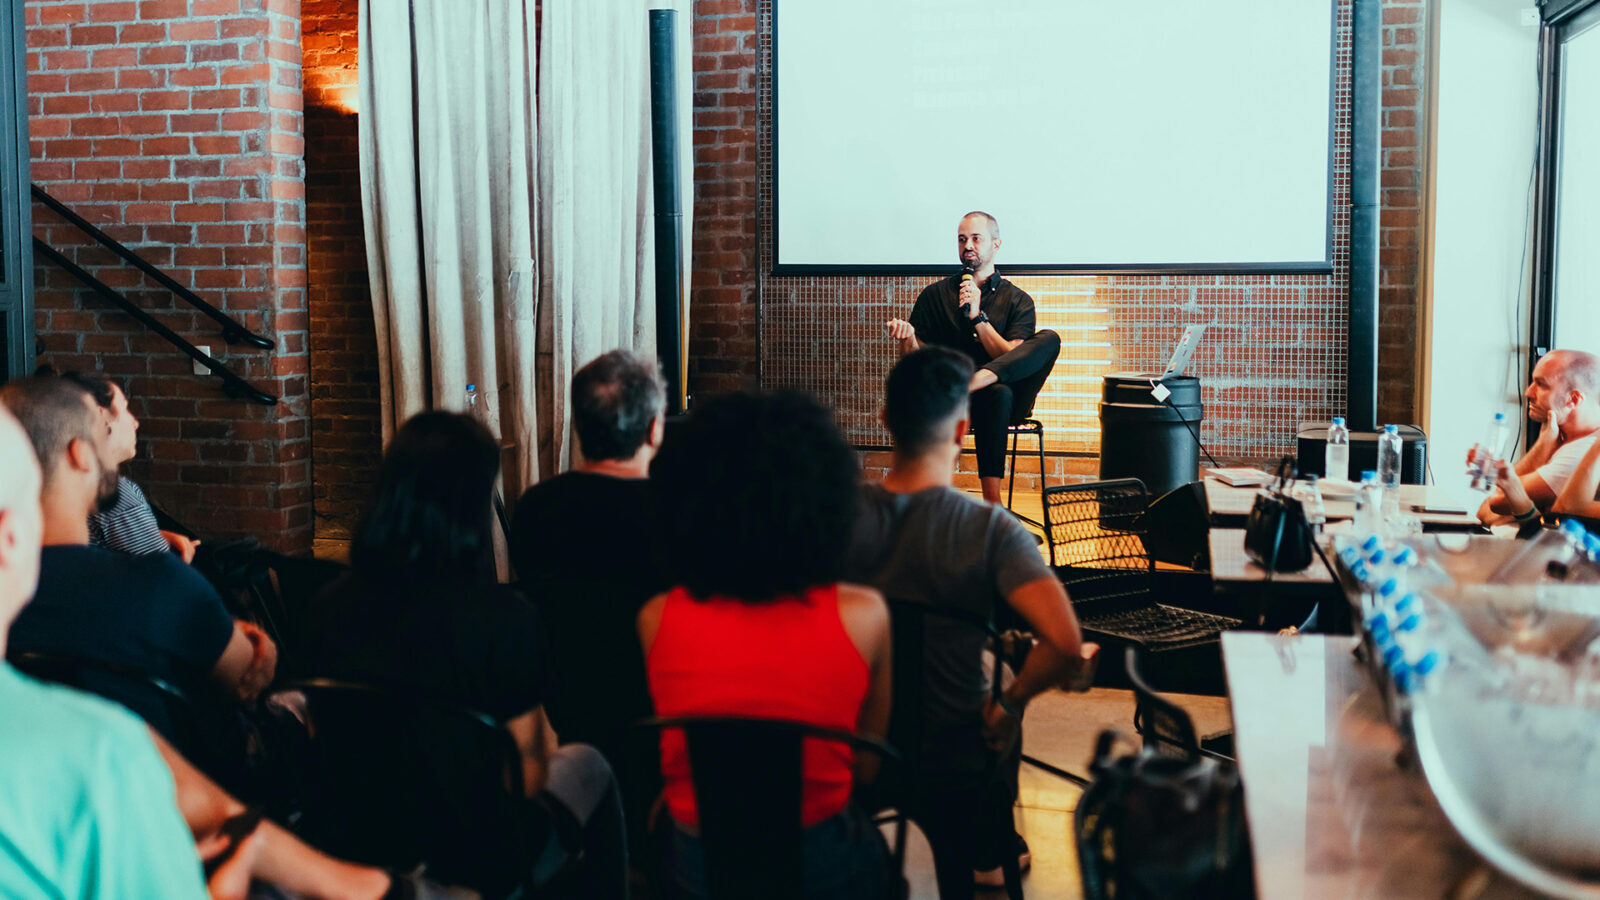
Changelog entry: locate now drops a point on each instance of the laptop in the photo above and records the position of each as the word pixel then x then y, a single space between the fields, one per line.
pixel 1184 350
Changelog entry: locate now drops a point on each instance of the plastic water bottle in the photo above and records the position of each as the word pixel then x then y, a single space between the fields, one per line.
pixel 1369 505
pixel 1389 457
pixel 1481 466
pixel 1336 458
pixel 471 408
pixel 1310 497
pixel 1548 557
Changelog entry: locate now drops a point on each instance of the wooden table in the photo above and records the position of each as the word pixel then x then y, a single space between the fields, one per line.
pixel 1243 592
pixel 1230 505
pixel 1331 813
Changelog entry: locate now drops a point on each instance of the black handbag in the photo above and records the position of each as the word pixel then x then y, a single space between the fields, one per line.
pixel 1277 535
pixel 1153 826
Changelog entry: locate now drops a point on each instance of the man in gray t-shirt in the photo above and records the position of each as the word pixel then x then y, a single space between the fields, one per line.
pixel 919 540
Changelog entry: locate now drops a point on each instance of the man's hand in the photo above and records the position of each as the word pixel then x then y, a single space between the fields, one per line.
pixel 1550 434
pixel 1510 483
pixel 900 329
pixel 263 666
pixel 231 880
pixel 971 298
pixel 181 545
pixel 1082 677
pixel 1000 728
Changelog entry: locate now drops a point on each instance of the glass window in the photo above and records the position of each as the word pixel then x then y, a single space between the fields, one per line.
pixel 1577 262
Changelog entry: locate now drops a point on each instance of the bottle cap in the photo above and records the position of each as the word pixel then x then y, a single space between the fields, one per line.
pixel 1409 623
pixel 1395 659
pixel 1499 417
pixel 1427 663
pixel 1370 543
pixel 1368 475
pixel 1406 603
pixel 1391 429
pixel 472 387
pixel 1403 556
pixel 1338 420
pixel 1376 558
pixel 1388 588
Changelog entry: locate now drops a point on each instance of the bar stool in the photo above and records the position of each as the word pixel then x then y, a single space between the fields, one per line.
pixel 1031 427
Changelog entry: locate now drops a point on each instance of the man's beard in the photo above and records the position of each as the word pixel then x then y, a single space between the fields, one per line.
pixel 110 491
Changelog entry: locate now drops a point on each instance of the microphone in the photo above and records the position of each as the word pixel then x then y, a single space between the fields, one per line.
pixel 966 276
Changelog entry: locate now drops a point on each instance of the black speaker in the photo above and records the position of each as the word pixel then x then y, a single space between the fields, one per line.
pixel 1312 441
pixel 1176 527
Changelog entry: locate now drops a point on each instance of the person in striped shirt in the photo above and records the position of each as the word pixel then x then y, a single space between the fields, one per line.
pixel 125 522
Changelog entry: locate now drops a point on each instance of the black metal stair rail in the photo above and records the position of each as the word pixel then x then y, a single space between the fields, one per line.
pixel 232 331
pixel 232 384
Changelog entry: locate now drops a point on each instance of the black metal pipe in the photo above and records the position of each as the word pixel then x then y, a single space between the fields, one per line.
pixel 668 209
pixel 232 331
pixel 1366 64
pixel 233 384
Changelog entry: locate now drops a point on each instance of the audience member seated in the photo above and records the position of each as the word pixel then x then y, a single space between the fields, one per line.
pixel 580 545
pixel 757 498
pixel 153 614
pixel 125 522
pixel 1581 497
pixel 1564 395
pixel 420 610
pixel 918 539
pixel 98 806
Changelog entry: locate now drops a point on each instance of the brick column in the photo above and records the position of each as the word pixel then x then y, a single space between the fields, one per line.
pixel 175 126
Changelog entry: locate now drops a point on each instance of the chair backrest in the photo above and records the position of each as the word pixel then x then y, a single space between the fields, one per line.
pixel 397 779
pixel 931 644
pixel 270 589
pixel 747 789
pixel 1095 534
pixel 1166 728
pixel 199 729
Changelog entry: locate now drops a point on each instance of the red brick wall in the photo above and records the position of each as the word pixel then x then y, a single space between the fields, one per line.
pixel 175 126
pixel 1400 232
pixel 346 425
pixel 1276 327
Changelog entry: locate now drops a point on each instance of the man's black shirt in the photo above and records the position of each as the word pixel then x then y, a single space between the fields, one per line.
pixel 938 319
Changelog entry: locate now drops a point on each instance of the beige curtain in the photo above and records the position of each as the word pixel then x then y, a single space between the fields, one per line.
pixel 596 254
pixel 448 141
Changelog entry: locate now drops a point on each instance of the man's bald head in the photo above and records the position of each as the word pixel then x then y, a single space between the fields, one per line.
pixel 20 526
pixel 53 412
pixel 1576 370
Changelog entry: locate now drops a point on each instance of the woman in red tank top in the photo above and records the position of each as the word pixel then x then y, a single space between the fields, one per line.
pixel 757 497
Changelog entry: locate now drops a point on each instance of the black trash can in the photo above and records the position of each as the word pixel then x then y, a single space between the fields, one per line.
pixel 1145 438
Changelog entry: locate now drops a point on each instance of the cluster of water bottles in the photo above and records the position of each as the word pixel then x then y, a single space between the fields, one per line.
pixel 1377 496
pixel 1397 611
pixel 1413 635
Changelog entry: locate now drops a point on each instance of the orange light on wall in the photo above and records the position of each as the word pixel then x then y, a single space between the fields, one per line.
pixel 1069 404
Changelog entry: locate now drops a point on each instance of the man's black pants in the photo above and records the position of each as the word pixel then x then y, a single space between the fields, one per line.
pixel 1022 373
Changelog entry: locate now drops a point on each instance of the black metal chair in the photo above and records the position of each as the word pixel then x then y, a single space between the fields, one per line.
pixel 270 589
pixel 920 631
pixel 396 779
pixel 205 730
pixel 1024 427
pixel 747 787
pixel 1095 534
pixel 1166 726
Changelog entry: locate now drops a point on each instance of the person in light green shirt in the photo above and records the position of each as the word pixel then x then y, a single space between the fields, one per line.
pixel 88 808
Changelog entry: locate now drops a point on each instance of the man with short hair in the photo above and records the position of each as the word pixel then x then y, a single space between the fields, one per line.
pixel 152 613
pixel 1564 394
pixel 125 521
pixel 919 540
pixel 565 538
pixel 992 321
pixel 95 804
pixel 89 804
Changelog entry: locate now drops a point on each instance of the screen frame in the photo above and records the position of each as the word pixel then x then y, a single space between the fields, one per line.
pixel 1323 266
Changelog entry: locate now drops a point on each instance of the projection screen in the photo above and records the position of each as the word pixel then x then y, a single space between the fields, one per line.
pixel 1113 135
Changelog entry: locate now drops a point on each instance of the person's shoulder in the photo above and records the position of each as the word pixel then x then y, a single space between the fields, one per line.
pixel 862 604
pixel 1018 295
pixel 55 716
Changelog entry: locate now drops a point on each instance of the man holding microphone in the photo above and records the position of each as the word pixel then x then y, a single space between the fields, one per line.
pixel 991 320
